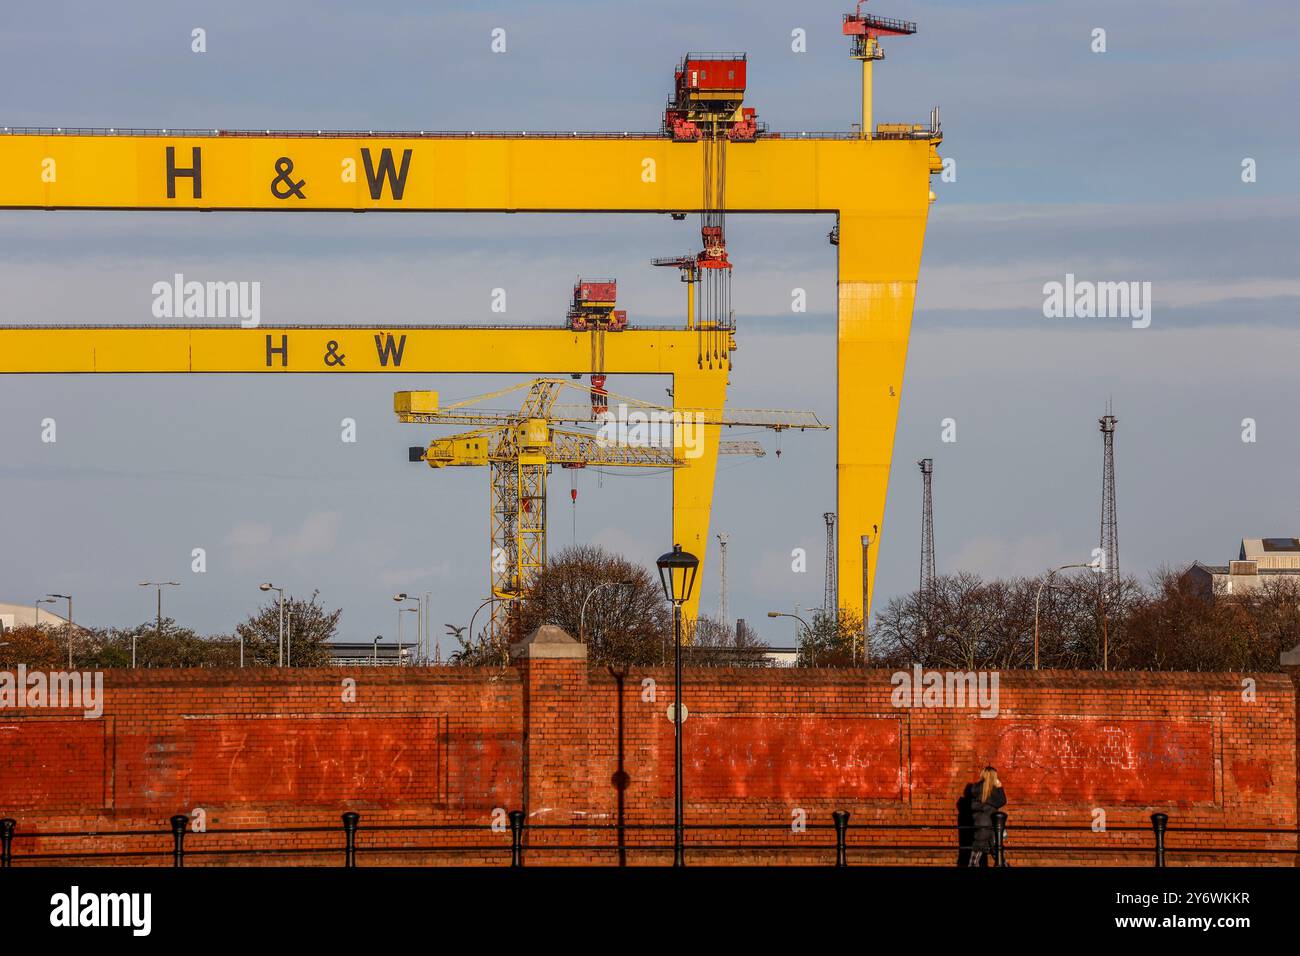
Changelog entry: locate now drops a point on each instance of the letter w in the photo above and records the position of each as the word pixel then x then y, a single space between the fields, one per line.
pixel 396 180
pixel 388 350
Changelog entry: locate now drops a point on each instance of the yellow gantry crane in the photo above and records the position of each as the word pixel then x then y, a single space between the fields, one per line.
pixel 520 446
pixel 876 182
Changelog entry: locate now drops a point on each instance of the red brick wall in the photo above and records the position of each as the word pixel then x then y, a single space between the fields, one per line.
pixel 448 747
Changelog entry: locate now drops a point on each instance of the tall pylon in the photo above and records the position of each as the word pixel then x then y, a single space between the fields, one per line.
pixel 830 598
pixel 1109 545
pixel 927 532
pixel 724 609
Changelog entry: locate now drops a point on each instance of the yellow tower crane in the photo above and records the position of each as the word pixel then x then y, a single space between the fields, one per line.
pixel 520 446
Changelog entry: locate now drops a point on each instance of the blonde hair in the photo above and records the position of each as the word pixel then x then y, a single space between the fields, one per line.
pixel 989 782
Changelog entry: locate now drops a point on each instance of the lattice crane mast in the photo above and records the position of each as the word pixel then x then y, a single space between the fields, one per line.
pixel 519 446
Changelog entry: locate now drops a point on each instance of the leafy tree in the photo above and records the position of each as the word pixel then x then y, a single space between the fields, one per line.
pixel 33 646
pixel 308 629
pixel 832 641
pixel 627 622
pixel 968 623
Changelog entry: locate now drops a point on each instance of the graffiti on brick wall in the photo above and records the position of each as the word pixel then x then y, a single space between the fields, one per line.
pixel 225 760
pixel 788 757
pixel 1102 761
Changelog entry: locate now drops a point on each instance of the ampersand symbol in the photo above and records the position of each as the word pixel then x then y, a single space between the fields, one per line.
pixel 283 167
pixel 332 354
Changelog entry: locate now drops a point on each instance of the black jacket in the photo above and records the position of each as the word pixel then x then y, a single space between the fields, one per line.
pixel 981 811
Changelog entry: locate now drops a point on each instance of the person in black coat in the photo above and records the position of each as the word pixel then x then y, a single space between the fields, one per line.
pixel 986 797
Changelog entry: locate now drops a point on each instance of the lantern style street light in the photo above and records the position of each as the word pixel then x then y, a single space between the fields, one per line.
pixel 677 571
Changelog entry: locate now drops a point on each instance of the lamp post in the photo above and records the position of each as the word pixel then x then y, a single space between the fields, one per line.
pixel 399 598
pixel 1047 582
pixel 475 615
pixel 427 651
pixel 374 657
pixel 408 610
pixel 46 600
pixel 157 627
pixel 268 586
pixel 866 599
pixel 68 598
pixel 806 630
pixel 582 615
pixel 677 571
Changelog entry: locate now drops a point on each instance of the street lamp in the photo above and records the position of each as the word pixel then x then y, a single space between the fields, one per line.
pixel 1047 582
pixel 475 615
pixel 399 598
pixel 38 610
pixel 268 586
pixel 158 627
pixel 375 656
pixel 677 571
pixel 408 610
pixel 866 599
pixel 68 598
pixel 582 616
pixel 806 630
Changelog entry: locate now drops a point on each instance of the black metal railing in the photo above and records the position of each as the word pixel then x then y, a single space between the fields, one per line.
pixel 510 842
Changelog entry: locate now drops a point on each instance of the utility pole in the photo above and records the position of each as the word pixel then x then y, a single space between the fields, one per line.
pixel 830 597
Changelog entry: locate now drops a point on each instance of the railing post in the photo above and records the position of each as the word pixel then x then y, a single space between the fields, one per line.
pixel 516 838
pixel 179 822
pixel 7 841
pixel 1000 838
pixel 841 818
pixel 350 820
pixel 1159 822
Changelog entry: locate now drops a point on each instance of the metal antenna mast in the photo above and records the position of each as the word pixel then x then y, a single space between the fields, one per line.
pixel 830 599
pixel 927 532
pixel 724 610
pixel 1109 521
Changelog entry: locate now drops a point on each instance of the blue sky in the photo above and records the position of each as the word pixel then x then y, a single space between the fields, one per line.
pixel 1119 166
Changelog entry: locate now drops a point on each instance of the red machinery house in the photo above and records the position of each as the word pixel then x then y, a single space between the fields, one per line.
pixel 709 88
pixel 593 306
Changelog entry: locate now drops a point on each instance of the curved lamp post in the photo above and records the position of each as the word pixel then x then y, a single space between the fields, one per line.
pixel 268 586
pixel 1047 582
pixel 68 598
pixel 582 616
pixel 677 571
pixel 806 630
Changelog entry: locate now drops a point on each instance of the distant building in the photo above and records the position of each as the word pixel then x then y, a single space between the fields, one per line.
pixel 1259 560
pixel 369 654
pixel 22 615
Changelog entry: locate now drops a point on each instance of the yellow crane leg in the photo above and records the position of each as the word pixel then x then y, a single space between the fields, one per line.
pixel 877 287
pixel 693 483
